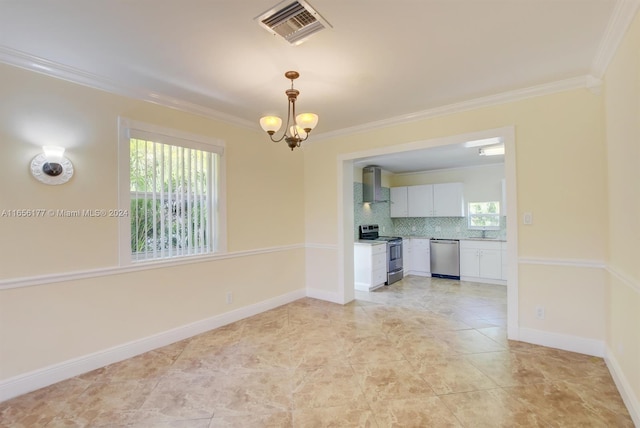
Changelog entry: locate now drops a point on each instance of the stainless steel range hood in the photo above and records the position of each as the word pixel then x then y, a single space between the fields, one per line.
pixel 372 184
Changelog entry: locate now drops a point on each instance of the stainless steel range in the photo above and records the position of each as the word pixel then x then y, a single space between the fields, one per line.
pixel 370 232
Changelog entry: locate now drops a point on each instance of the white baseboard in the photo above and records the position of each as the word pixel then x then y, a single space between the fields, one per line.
pixel 566 342
pixel 329 296
pixel 360 286
pixel 483 280
pixel 626 392
pixel 418 273
pixel 46 376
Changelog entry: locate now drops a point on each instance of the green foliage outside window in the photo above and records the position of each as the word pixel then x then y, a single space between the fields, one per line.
pixel 169 199
pixel 484 215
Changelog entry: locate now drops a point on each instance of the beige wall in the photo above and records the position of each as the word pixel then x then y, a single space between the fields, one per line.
pixel 622 102
pixel 560 153
pixel 578 169
pixel 45 324
pixel 567 169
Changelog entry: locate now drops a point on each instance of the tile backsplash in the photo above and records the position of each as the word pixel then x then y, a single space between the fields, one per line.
pixel 376 213
pixel 431 227
pixel 443 227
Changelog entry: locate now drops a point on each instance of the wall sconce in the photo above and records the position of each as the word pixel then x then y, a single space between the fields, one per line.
pixel 51 167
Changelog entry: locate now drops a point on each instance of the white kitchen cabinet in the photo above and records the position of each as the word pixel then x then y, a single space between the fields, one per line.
pixel 427 200
pixel 398 206
pixel 448 200
pixel 406 255
pixel 481 261
pixel 420 257
pixel 420 200
pixel 370 265
pixel 503 251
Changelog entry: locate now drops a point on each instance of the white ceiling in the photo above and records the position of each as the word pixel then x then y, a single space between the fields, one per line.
pixel 381 60
pixel 435 158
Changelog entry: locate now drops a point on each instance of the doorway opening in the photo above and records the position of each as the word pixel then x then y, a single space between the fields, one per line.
pixel 346 210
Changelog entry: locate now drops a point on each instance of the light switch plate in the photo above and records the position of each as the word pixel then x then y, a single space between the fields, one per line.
pixel 527 218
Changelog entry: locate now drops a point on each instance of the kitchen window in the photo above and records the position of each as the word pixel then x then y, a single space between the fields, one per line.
pixel 170 194
pixel 484 215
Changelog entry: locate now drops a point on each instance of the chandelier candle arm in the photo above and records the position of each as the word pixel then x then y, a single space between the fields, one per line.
pixel 301 125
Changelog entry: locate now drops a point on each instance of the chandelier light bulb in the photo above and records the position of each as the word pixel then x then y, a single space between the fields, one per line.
pixel 297 130
pixel 271 124
pixel 307 120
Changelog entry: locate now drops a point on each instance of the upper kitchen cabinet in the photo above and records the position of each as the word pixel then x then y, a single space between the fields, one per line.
pixel 420 200
pixel 428 200
pixel 448 200
pixel 398 199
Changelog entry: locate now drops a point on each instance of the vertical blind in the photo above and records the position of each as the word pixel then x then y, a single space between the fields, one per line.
pixel 171 200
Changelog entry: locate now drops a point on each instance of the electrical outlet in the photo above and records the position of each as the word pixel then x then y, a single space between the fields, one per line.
pixel 229 297
pixel 540 312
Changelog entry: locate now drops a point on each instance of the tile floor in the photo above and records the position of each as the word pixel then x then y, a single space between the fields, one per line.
pixel 423 352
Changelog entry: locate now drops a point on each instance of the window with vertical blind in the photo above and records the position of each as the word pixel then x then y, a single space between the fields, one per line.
pixel 170 185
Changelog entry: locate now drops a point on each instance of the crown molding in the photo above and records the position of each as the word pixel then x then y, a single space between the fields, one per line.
pixel 581 82
pixel 623 14
pixel 75 75
pixel 620 20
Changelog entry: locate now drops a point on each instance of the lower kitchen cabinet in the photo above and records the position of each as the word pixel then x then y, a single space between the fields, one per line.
pixel 481 261
pixel 406 255
pixel 370 265
pixel 420 262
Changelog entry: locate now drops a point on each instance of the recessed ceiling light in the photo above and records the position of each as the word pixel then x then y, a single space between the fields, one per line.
pixel 491 151
pixel 483 142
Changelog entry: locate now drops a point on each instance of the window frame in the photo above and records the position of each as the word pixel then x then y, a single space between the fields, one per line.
pixel 128 129
pixel 470 216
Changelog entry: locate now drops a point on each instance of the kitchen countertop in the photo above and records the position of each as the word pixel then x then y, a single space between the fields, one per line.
pixel 483 239
pixel 458 239
pixel 369 242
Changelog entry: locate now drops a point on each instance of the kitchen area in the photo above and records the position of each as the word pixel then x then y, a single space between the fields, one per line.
pixel 445 223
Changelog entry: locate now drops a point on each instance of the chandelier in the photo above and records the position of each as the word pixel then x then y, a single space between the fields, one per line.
pixel 301 125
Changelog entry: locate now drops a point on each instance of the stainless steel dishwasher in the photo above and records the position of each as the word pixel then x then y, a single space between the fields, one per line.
pixel 445 258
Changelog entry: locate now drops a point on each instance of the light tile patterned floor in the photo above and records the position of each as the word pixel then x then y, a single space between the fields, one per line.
pixel 423 352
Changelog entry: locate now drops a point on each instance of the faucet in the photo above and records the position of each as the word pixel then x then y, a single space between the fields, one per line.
pixel 484 233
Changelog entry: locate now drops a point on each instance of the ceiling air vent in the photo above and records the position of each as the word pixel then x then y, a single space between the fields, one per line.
pixel 294 21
